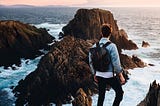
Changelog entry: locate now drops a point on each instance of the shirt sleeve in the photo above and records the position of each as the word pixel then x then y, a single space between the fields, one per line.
pixel 115 59
pixel 90 64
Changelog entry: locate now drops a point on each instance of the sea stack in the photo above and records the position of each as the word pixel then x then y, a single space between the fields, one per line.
pixel 153 96
pixel 87 23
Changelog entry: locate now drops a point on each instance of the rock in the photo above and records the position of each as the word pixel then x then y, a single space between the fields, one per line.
pixel 11 87
pixel 153 96
pixel 138 61
pixel 82 99
pixel 145 44
pixel 87 25
pixel 19 40
pixel 14 68
pixel 60 73
pixel 61 35
pixel 128 62
pixel 151 64
pixel 122 42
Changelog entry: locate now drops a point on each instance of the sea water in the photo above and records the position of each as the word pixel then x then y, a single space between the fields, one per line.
pixel 141 24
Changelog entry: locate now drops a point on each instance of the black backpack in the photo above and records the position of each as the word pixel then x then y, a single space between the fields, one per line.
pixel 100 57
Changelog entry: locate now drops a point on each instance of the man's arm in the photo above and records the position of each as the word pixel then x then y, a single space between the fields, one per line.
pixel 90 64
pixel 116 63
pixel 91 67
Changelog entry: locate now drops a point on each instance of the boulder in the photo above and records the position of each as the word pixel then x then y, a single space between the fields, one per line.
pixel 138 61
pixel 82 99
pixel 60 73
pixel 19 40
pixel 153 96
pixel 145 44
pixel 87 25
pixel 128 62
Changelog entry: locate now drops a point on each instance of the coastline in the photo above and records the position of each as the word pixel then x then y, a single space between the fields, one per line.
pixel 147 69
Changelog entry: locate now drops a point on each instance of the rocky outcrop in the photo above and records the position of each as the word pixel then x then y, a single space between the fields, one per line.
pixel 145 44
pixel 153 96
pixel 19 40
pixel 82 99
pixel 87 25
pixel 60 74
pixel 131 62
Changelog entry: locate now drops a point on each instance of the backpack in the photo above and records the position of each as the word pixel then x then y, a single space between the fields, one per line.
pixel 100 57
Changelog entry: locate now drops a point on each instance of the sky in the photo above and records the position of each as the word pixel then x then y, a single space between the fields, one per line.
pixel 121 3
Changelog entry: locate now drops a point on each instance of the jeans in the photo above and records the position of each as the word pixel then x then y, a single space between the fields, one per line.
pixel 115 84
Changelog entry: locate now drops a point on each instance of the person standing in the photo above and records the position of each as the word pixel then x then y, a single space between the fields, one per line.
pixel 108 78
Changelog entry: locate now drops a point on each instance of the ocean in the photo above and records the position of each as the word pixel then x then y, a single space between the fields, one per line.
pixel 141 24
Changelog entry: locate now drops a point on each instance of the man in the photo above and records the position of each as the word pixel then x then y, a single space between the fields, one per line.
pixel 107 78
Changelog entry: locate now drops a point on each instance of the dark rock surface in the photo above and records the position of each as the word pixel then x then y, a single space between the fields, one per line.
pixel 131 62
pixel 87 25
pixel 153 96
pixel 82 99
pixel 19 40
pixel 60 74
pixel 145 44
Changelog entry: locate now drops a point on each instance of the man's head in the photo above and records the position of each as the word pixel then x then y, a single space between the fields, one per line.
pixel 106 30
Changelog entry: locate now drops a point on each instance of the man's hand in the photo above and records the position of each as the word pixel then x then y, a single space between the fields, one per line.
pixel 95 78
pixel 122 80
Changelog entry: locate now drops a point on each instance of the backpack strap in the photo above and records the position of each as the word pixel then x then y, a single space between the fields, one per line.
pixel 97 44
pixel 106 44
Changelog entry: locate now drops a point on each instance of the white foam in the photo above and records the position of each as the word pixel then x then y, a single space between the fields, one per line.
pixel 54 29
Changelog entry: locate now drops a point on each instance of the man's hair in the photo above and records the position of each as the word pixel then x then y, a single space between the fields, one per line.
pixel 106 30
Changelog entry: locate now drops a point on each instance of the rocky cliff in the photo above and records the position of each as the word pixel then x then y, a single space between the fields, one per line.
pixel 19 40
pixel 153 96
pixel 87 25
pixel 59 75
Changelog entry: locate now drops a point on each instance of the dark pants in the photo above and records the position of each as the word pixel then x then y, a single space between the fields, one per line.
pixel 115 84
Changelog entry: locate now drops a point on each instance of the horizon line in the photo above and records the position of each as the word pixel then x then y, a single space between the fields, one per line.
pixel 78 5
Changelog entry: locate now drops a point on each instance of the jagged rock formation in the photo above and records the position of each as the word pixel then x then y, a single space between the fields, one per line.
pixel 19 40
pixel 153 96
pixel 87 25
pixel 60 74
pixel 82 99
pixel 145 44
pixel 131 62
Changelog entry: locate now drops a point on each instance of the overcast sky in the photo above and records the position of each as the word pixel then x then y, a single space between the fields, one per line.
pixel 84 2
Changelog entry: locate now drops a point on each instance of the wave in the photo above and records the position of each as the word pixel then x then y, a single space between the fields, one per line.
pixel 54 29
